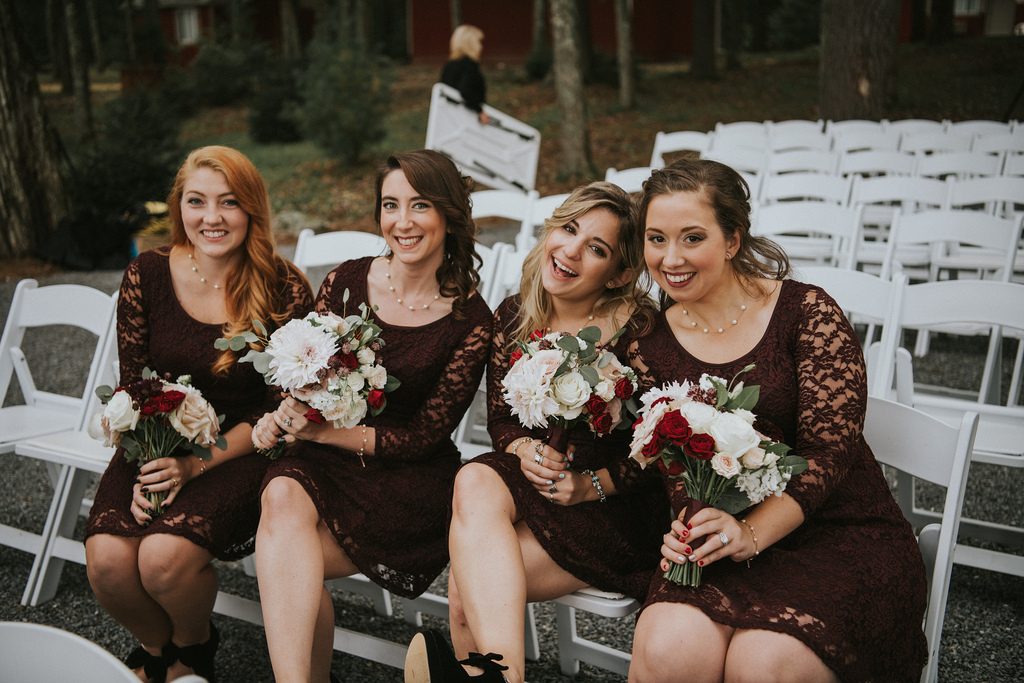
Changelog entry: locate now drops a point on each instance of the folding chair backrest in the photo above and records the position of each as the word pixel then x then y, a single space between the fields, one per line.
pixel 794 138
pixel 874 162
pixel 862 139
pixel 1014 165
pixel 883 194
pixel 963 301
pixel 678 141
pixel 629 179
pixel 997 194
pixel 935 142
pixel 491 257
pixel 503 204
pixel 958 164
pixel 801 160
pixel 330 248
pixel 739 158
pixel 914 126
pixel 805 186
pixel 999 142
pixel 978 127
pixel 929 449
pixel 845 126
pixel 810 219
pixel 741 134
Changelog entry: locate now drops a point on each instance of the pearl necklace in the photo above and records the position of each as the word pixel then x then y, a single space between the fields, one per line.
pixel 721 330
pixel 195 269
pixel 399 300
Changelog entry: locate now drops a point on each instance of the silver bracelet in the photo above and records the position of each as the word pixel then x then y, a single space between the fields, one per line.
pixel 596 481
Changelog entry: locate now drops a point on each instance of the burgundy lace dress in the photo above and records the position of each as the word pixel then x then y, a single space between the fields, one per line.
pixel 849 582
pixel 389 516
pixel 219 510
pixel 613 546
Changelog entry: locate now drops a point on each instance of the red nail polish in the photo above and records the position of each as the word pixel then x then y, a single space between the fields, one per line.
pixel 687 550
pixel 700 563
pixel 689 526
pixel 684 534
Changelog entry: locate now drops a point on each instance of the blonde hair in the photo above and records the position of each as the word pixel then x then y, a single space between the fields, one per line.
pixel 252 287
pixel 465 42
pixel 535 302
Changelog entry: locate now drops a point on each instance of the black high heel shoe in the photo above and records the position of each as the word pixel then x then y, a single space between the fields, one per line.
pixel 200 657
pixel 154 666
pixel 430 659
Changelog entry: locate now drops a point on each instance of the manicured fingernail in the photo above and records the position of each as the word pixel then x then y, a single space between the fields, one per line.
pixel 692 558
pixel 561 475
pixel 550 482
pixel 688 550
pixel 700 563
pixel 689 526
pixel 684 533
pixel 680 559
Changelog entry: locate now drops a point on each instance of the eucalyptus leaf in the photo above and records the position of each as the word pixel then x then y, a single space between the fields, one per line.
pixel 568 343
pixel 148 374
pixel 251 338
pixel 221 344
pixel 733 501
pixel 345 296
pixel 251 356
pixel 104 393
pixel 262 363
pixel 260 327
pixel 392 383
pixel 591 333
pixel 236 343
pixel 590 374
pixel 201 452
pixel 747 399
pixel 795 462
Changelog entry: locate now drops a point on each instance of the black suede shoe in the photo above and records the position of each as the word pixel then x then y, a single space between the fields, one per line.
pixel 431 660
pixel 154 666
pixel 200 657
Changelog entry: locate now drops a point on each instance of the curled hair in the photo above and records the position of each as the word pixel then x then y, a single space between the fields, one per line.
pixel 465 42
pixel 436 178
pixel 253 285
pixel 535 302
pixel 728 194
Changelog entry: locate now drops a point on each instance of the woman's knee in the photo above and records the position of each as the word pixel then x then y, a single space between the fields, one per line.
pixel 663 632
pixel 285 501
pixel 165 561
pixel 770 657
pixel 477 487
pixel 110 562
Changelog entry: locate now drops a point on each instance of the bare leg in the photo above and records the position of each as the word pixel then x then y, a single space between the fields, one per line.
pixel 665 632
pixel 462 637
pixel 756 655
pixel 323 639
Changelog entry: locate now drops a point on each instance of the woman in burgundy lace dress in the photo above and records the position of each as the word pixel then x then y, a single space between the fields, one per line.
pixel 824 582
pixel 374 498
pixel 153 574
pixel 529 522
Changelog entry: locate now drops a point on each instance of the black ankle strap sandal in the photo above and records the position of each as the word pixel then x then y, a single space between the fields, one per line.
pixel 487 663
pixel 155 666
pixel 200 657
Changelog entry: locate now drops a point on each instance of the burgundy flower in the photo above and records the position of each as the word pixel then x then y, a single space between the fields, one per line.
pixel 653 447
pixel 602 423
pixel 674 468
pixel 623 388
pixel 675 428
pixel 314 416
pixel 349 360
pixel 595 406
pixel 701 446
pixel 169 400
pixel 375 399
pixel 516 355
pixel 537 334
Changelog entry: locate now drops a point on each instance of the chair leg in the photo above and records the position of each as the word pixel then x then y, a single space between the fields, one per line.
pixel 989 391
pixel 532 645
pixel 1013 397
pixel 60 523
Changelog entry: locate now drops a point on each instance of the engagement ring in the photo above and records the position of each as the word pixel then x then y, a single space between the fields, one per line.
pixel 287 422
pixel 537 458
pixel 723 538
pixel 174 483
pixel 553 489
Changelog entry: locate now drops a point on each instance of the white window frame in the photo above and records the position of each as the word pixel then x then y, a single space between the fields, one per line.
pixel 186 25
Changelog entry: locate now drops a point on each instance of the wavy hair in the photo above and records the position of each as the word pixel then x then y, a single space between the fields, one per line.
pixel 465 42
pixel 535 302
pixel 436 178
pixel 729 197
pixel 253 286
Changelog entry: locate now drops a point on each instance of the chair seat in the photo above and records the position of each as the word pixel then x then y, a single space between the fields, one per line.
pixel 603 604
pixel 25 422
pixel 1000 438
pixel 73 447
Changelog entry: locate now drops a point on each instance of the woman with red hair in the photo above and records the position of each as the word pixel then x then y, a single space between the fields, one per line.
pixel 153 573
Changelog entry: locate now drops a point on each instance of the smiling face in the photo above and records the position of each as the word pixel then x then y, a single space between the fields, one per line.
pixel 411 224
pixel 685 248
pixel 214 221
pixel 582 257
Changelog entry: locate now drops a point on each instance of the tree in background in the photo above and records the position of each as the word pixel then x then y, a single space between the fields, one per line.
pixel 575 160
pixel 858 49
pixel 79 63
pixel 33 165
pixel 624 43
pixel 538 62
pixel 455 10
pixel 702 62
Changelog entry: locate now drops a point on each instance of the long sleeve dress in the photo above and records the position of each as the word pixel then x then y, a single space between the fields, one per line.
pixel 464 75
pixel 612 546
pixel 219 510
pixel 849 582
pixel 389 516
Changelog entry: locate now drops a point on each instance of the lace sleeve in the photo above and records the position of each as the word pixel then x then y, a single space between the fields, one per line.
pixel 501 425
pixel 832 397
pixel 132 326
pixel 437 418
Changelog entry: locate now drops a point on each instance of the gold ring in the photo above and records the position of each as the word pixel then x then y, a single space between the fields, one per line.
pixel 174 483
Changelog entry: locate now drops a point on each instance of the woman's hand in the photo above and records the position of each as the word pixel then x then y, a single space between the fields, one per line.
pixel 265 432
pixel 165 474
pixel 547 469
pixel 723 537
pixel 291 421
pixel 140 507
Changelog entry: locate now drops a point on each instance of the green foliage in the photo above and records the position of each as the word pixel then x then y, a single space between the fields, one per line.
pixel 223 74
pixel 795 24
pixel 345 101
pixel 275 103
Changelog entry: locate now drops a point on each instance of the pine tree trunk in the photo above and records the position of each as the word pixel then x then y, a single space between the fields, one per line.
pixel 575 161
pixel 57 39
pixel 540 25
pixel 129 32
pixel 624 35
pixel 95 37
pixel 732 32
pixel 858 47
pixel 289 30
pixel 79 71
pixel 702 63
pixel 455 8
pixel 33 164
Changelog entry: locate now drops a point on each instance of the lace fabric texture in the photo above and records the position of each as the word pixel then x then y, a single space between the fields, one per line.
pixel 849 582
pixel 389 517
pixel 219 510
pixel 613 545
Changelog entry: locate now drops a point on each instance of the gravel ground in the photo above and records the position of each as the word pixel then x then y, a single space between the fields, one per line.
pixel 983 620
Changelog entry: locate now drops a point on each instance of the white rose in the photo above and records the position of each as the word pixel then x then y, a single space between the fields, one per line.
pixel 644 432
pixel 194 418
pixel 770 459
pixel 333 322
pixel 705 382
pixel 747 416
pixel 572 391
pixel 699 415
pixel 119 414
pixel 547 362
pixel 605 389
pixel 366 356
pixel 376 375
pixel 732 434
pixel 356 380
pixel 725 465
pixel 754 458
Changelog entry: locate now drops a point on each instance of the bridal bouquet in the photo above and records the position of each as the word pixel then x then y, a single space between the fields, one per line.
pixel 704 434
pixel 559 380
pixel 328 362
pixel 155 418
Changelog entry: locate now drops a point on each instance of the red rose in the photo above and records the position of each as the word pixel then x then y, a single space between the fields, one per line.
pixel 516 355
pixel 537 334
pixel 653 447
pixel 169 400
pixel 314 416
pixel 675 428
pixel 375 399
pixel 602 423
pixel 674 468
pixel 595 406
pixel 623 388
pixel 349 360
pixel 701 446
pixel 150 407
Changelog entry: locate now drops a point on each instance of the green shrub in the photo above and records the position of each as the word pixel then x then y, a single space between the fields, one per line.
pixel 345 99
pixel 795 24
pixel 275 103
pixel 222 74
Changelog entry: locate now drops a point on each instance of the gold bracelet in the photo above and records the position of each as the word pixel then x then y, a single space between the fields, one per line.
pixel 517 443
pixel 362 449
pixel 202 466
pixel 753 535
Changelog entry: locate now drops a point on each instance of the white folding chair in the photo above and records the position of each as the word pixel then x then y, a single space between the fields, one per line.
pixel 999 142
pixel 797 134
pixel 960 165
pixel 35 653
pixel 1001 195
pixel 844 126
pixel 509 205
pixel 833 189
pixel 914 126
pixel 678 141
pixel 801 160
pixel 629 179
pixel 856 140
pixel 925 448
pixel 750 134
pixel 572 648
pixel 978 127
pixel 875 162
pixel 1013 165
pixel 931 142
pixel 541 210
pixel 328 249
pixel 811 232
pixel 1000 437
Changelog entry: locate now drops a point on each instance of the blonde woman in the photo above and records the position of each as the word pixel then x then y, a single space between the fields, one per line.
pixel 462 71
pixel 528 522
pixel 221 272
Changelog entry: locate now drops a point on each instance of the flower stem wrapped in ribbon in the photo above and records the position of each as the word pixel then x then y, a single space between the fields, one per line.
pixel 560 380
pixel 329 362
pixel 156 418
pixel 704 435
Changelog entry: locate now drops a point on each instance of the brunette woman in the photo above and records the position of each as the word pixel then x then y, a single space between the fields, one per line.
pixel 221 272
